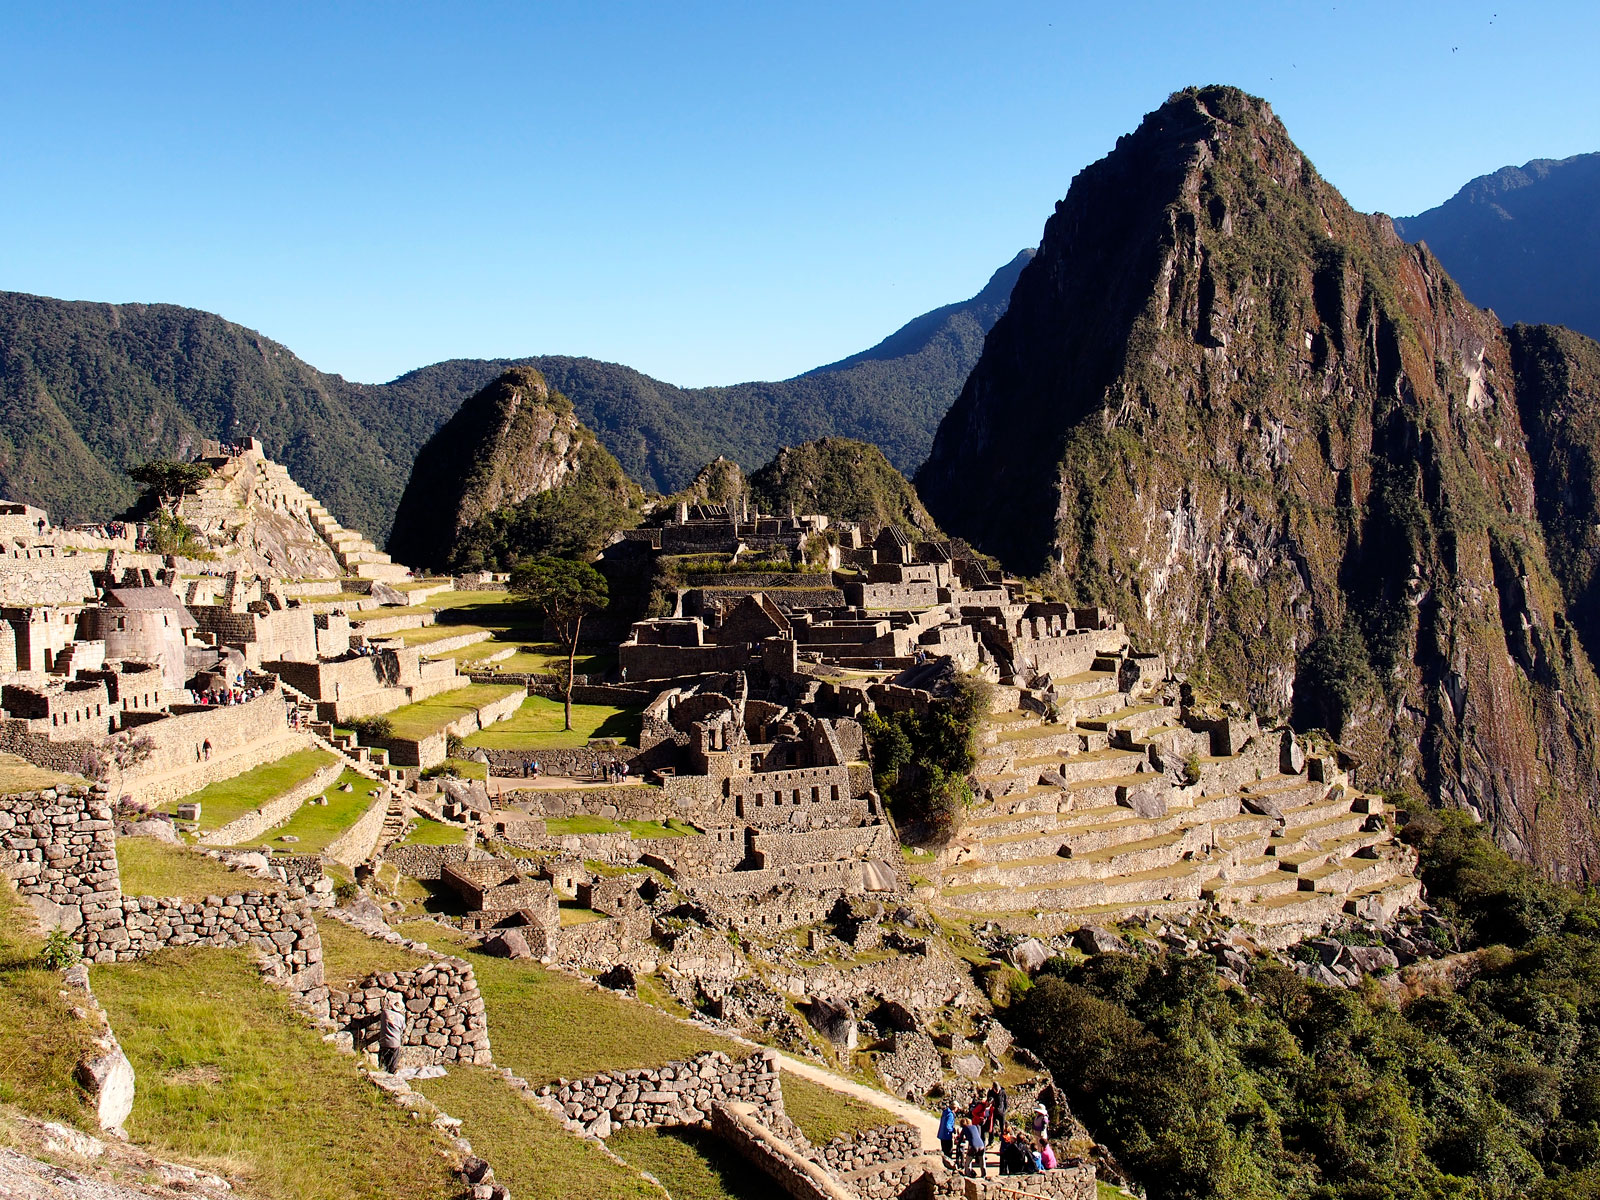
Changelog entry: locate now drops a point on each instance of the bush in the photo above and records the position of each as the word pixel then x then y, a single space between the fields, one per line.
pixel 371 729
pixel 921 762
pixel 60 951
pixel 345 890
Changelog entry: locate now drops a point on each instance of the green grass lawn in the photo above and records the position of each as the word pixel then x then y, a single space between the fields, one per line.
pixel 538 724
pixel 673 826
pixel 533 1156
pixel 318 826
pixel 152 868
pixel 433 714
pixel 463 767
pixel 231 1076
pixel 40 1041
pixel 692 1163
pixel 823 1114
pixel 20 775
pixel 434 833
pixel 348 955
pixel 545 1025
pixel 229 799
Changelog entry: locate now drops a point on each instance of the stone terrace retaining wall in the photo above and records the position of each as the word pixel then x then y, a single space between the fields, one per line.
pixel 356 844
pixel 793 1175
pixel 274 812
pixel 57 846
pixel 445 1018
pixel 1075 1182
pixel 424 862
pixel 682 1093
pixel 572 763
pixel 871 1147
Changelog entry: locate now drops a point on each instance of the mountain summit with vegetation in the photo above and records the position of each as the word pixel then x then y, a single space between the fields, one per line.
pixel 1524 241
pixel 1281 444
pixel 513 474
pixel 88 390
pixel 844 479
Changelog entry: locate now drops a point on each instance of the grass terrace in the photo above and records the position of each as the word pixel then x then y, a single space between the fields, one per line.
pixel 348 955
pixel 546 1025
pixel 40 1041
pixel 823 1114
pixel 230 1075
pixel 537 725
pixel 427 717
pixel 532 1155
pixel 433 833
pixel 20 775
pixel 692 1163
pixel 318 826
pixel 229 799
pixel 152 868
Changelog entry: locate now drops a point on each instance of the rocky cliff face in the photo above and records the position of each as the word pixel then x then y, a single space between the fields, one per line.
pixel 487 481
pixel 1278 441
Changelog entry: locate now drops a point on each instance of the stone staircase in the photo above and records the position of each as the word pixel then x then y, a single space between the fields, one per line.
pixel 1099 813
pixel 358 556
pixel 367 761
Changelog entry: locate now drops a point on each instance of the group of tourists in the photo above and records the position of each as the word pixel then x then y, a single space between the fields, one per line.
pixel 238 694
pixel 530 768
pixel 966 1141
pixel 615 771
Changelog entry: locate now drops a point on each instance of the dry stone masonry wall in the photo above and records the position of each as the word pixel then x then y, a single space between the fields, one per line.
pixel 445 1016
pixel 682 1093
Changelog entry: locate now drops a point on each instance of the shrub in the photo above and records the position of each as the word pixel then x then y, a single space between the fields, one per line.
pixel 370 729
pixel 60 951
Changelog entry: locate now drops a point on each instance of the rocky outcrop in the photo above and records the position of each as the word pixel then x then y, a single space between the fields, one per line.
pixel 844 479
pixel 515 441
pixel 1284 448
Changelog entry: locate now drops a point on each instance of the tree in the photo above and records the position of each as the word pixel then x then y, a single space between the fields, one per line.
pixel 166 479
pixel 566 592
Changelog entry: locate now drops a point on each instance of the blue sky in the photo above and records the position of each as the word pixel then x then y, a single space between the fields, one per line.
pixel 709 193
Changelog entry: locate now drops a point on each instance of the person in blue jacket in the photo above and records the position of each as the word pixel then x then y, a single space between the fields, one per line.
pixel 947 1131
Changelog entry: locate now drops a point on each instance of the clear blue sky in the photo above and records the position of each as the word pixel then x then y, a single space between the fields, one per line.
pixel 709 193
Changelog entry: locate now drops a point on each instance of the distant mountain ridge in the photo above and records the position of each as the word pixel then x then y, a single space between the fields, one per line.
pixel 88 389
pixel 1524 241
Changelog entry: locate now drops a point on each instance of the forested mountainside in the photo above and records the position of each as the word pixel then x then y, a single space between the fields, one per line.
pixel 89 389
pixel 513 473
pixel 1282 445
pixel 1524 241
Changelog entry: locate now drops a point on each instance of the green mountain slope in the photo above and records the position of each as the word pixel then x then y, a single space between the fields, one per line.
pixel 1284 447
pixel 845 479
pixel 88 389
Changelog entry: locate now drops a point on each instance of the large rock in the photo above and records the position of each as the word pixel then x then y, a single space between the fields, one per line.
pixel 107 1079
pixel 1029 955
pixel 834 1020
pixel 509 943
pixel 1096 939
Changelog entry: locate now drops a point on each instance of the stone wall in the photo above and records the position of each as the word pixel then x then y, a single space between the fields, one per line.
pixel 424 862
pixel 773 849
pixel 792 1174
pixel 681 1093
pixel 356 844
pixel 33 581
pixel 16 738
pixel 445 1017
pixel 603 944
pixel 575 763
pixel 57 845
pixel 1073 1182
pixel 274 812
pixel 241 736
pixel 871 1147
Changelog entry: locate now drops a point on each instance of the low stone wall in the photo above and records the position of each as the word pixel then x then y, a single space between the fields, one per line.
pixel 780 1162
pixel 574 763
pixel 771 849
pixel 274 812
pixel 356 844
pixel 445 1018
pixel 602 944
pixel 871 1148
pixel 1074 1182
pixel 424 862
pixel 283 929
pixel 681 1093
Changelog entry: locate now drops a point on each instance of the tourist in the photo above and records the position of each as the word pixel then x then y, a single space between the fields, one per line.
pixel 1040 1123
pixel 981 1115
pixel 1047 1156
pixel 999 1105
pixel 205 750
pixel 392 1033
pixel 972 1141
pixel 1015 1158
pixel 947 1131
pixel 536 768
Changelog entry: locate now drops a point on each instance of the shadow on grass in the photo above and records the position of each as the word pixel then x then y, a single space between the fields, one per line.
pixel 694 1164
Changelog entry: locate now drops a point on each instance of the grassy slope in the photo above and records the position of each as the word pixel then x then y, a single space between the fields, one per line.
pixel 40 1042
pixel 152 868
pixel 20 775
pixel 530 1153
pixel 545 1025
pixel 228 799
pixel 348 955
pixel 433 714
pixel 538 725
pixel 316 825
pixel 823 1114
pixel 433 833
pixel 230 1075
pixel 692 1164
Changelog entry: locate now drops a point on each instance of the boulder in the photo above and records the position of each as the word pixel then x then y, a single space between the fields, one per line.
pixel 509 943
pixel 108 1080
pixel 1262 806
pixel 1096 939
pixel 161 831
pixel 619 978
pixel 1029 955
pixel 1149 800
pixel 834 1020
pixel 1292 757
pixel 1367 959
pixel 968 1066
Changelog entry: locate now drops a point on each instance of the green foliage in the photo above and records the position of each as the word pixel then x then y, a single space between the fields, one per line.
pixel 168 479
pixel 371 729
pixel 1488 1090
pixel 345 890
pixel 1334 679
pixel 60 951
pixel 563 589
pixel 921 762
pixel 170 534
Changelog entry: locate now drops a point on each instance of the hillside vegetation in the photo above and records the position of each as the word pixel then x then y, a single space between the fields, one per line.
pixel 845 479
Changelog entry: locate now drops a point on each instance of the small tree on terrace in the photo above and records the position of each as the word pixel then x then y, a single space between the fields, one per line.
pixel 566 592
pixel 167 480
